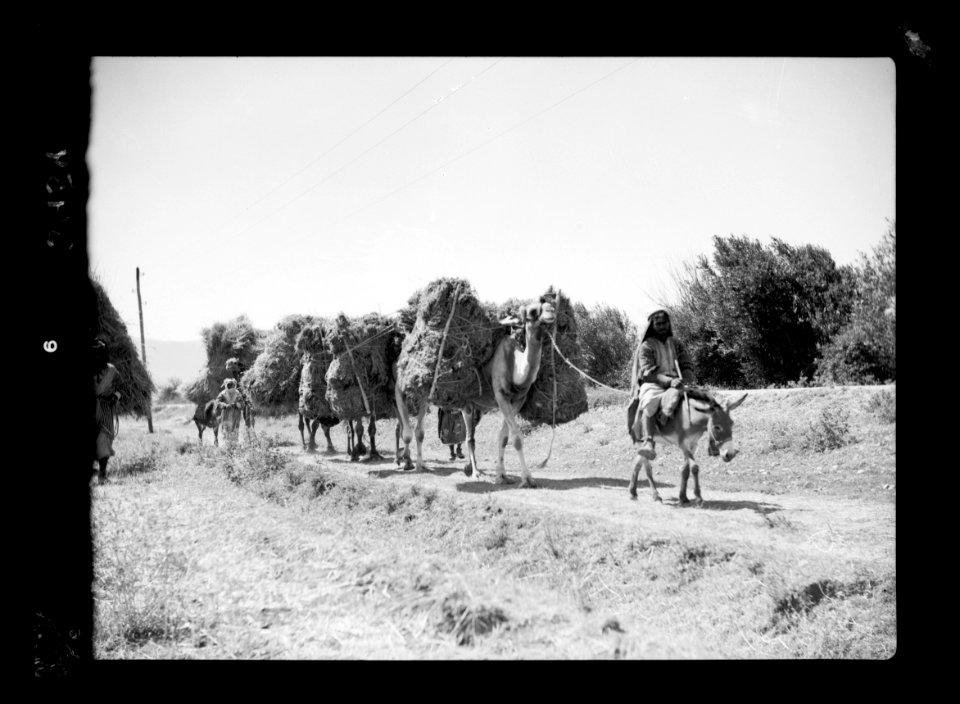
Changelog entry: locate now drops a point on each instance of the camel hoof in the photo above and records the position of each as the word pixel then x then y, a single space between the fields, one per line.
pixel 504 479
pixel 468 469
pixel 633 496
pixel 656 497
pixel 528 484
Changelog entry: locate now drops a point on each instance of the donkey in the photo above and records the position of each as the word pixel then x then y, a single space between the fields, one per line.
pixel 689 422
pixel 207 415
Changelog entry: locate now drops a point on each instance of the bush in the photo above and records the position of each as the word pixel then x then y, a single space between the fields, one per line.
pixel 884 406
pixel 255 461
pixel 830 431
pixel 170 392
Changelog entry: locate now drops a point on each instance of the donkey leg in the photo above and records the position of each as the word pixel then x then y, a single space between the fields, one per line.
pixel 684 476
pixel 633 478
pixel 695 470
pixel 648 468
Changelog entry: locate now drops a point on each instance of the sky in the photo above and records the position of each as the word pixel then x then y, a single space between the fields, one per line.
pixel 271 186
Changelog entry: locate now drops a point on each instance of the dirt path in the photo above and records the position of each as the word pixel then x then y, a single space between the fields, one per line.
pixel 809 525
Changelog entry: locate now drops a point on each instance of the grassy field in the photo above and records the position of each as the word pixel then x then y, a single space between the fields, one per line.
pixel 266 552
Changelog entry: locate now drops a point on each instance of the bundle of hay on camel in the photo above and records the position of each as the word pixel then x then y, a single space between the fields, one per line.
pixel 273 382
pixel 313 409
pixel 558 394
pixel 453 336
pixel 134 383
pixel 360 376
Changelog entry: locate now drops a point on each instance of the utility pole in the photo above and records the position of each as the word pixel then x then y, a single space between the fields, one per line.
pixel 143 352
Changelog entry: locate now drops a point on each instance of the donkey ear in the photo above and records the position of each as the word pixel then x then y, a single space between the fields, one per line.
pixel 730 405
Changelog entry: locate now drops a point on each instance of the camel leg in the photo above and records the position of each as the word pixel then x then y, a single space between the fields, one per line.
pixel 326 433
pixel 509 419
pixel 359 448
pixel 199 432
pixel 471 466
pixel 216 436
pixel 372 431
pixel 303 440
pixel 502 438
pixel 312 428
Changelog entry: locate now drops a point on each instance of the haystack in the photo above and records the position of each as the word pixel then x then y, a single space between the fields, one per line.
pixel 453 337
pixel 273 382
pixel 135 385
pixel 315 360
pixel 570 398
pixel 360 379
pixel 236 338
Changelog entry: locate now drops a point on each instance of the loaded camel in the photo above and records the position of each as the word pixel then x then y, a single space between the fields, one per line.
pixel 505 382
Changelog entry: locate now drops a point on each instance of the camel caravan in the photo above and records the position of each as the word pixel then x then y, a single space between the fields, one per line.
pixel 446 349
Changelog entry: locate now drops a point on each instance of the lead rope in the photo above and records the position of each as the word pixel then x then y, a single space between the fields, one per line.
pixel 553 361
pixel 443 340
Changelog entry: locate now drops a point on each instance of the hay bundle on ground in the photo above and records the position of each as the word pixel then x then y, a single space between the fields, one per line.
pixel 315 360
pixel 273 382
pixel 571 396
pixel 359 379
pixel 453 337
pixel 236 338
pixel 135 385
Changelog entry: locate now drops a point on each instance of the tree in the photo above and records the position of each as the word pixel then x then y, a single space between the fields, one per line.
pixel 864 351
pixel 755 315
pixel 608 338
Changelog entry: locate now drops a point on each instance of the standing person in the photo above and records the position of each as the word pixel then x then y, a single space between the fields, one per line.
pixel 105 378
pixel 452 430
pixel 236 371
pixel 655 383
pixel 230 405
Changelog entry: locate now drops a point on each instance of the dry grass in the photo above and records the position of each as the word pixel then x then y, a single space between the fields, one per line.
pixel 264 553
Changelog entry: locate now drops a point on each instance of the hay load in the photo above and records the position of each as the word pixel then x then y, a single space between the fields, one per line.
pixel 273 382
pixel 359 379
pixel 453 337
pixel 135 385
pixel 315 358
pixel 236 338
pixel 570 395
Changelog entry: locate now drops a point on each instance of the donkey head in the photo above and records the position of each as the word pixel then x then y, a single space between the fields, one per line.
pixel 720 429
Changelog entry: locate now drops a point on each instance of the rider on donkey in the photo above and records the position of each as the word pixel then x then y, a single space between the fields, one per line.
pixel 655 379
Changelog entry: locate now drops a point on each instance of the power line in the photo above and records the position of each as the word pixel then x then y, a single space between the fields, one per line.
pixel 476 148
pixel 370 149
pixel 328 151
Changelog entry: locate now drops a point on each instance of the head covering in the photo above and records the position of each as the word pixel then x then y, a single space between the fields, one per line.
pixel 648 326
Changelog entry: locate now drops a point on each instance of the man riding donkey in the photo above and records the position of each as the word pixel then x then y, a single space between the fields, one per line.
pixel 661 372
pixel 105 378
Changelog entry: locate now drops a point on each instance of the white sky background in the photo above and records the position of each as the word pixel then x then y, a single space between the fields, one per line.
pixel 273 186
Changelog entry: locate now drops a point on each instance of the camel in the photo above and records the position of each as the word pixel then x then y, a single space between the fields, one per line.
pixel 505 382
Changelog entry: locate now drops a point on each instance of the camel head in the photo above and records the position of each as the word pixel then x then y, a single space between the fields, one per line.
pixel 533 316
